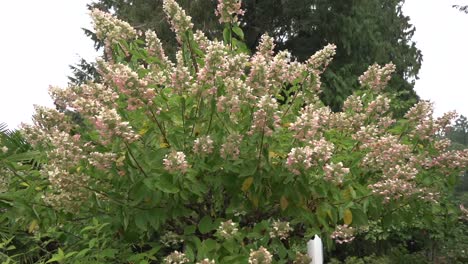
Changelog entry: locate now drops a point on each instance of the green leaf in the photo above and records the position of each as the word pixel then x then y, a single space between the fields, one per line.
pixel 189 230
pixel 59 256
pixel 189 252
pixel 140 221
pixel 387 220
pixel 92 243
pixel 359 217
pixel 205 225
pixel 227 35
pixel 108 252
pixel 238 31
pixel 166 185
pixel 210 244
pixel 82 253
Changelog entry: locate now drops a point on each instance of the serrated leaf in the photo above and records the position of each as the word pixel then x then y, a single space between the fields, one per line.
pixel 247 183
pixel 348 217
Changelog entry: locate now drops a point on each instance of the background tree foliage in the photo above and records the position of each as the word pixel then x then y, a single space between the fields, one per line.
pixel 365 32
pixel 461 8
pixel 458 134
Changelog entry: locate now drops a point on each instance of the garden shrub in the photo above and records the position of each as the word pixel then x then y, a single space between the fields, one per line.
pixel 198 161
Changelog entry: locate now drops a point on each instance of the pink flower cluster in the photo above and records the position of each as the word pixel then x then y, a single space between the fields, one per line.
pixel 46 120
pixel 181 80
pixel 215 61
pixel 154 48
pixel 110 28
pixel 378 107
pixel 320 60
pixel 228 10
pixel 303 158
pixel 265 118
pixel 377 77
pixel 397 182
pixel 335 172
pixel 237 94
pixel 102 160
pixel 180 22
pixel 109 124
pixel 268 73
pixel 175 162
pixel 203 145
pixel 385 151
pixel 353 104
pixel 231 148
pixel 424 125
pixel 316 65
pixel 343 234
pixel 311 122
pixel 63 170
pixel 127 83
pixel 90 99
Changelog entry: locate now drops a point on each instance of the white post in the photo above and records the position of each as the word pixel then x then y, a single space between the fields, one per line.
pixel 315 250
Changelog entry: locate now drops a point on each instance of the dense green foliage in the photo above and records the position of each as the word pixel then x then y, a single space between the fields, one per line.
pixel 195 160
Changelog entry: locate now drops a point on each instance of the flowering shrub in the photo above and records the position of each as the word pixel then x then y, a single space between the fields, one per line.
pixel 223 157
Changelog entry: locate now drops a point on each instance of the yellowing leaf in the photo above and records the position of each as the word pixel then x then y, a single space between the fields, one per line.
pixel 32 226
pixel 120 159
pixel 254 200
pixel 347 194
pixel 164 145
pixel 247 183
pixel 284 203
pixel 143 131
pixel 329 213
pixel 348 217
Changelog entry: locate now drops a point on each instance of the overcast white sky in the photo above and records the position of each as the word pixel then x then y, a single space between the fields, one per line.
pixel 41 38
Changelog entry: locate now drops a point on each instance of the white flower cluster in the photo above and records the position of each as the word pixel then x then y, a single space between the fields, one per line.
pixel 280 230
pixel 227 229
pixel 176 257
pixel 260 256
pixel 110 28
